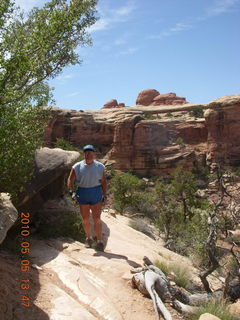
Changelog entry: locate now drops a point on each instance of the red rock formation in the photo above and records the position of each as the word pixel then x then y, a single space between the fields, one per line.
pixel 148 147
pixel 145 97
pixel 79 128
pixel 223 120
pixel 152 146
pixel 192 133
pixel 113 104
pixel 168 99
pixel 154 98
pixel 110 104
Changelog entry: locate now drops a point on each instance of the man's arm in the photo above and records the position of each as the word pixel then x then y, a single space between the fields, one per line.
pixel 71 179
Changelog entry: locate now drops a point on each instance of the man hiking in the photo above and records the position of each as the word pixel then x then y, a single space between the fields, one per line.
pixel 89 176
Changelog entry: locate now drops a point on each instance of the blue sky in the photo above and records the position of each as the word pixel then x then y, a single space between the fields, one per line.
pixel 190 47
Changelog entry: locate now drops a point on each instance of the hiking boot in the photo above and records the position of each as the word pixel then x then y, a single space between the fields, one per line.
pixel 99 246
pixel 88 243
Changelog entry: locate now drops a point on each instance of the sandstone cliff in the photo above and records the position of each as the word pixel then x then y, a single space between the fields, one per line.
pixel 155 139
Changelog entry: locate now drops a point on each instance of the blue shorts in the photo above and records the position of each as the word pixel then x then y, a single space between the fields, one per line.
pixel 89 195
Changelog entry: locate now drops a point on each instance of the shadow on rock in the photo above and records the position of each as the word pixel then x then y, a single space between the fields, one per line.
pixel 116 256
pixel 11 278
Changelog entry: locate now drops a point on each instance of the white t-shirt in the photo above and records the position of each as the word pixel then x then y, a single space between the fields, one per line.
pixel 88 176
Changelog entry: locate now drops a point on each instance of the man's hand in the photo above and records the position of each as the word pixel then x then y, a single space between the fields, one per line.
pixel 73 195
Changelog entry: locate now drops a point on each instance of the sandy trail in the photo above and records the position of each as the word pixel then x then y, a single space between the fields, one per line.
pixel 79 283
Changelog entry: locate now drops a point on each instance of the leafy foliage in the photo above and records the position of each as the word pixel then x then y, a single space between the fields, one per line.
pixel 182 217
pixel 66 145
pixel 68 225
pixel 33 48
pixel 126 189
pixel 197 111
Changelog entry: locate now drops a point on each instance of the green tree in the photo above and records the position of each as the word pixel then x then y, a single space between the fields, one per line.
pixel 34 48
pixel 184 187
pixel 126 189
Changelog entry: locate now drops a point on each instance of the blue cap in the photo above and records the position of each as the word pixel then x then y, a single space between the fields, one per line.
pixel 88 147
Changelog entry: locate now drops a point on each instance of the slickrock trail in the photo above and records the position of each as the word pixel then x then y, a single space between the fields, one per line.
pixel 80 284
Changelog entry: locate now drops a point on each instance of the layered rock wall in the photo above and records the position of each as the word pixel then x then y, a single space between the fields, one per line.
pixel 155 139
pixel 223 123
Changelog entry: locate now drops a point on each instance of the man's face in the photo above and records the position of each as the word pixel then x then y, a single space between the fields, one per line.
pixel 89 156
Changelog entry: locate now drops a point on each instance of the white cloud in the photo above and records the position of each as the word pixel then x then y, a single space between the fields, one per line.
pixel 128 51
pixel 73 94
pixel 125 10
pixel 108 16
pixel 119 42
pixel 221 6
pixel 101 24
pixel 64 77
pixel 179 27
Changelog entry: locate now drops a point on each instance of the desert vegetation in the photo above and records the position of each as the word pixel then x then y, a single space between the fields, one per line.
pixel 193 218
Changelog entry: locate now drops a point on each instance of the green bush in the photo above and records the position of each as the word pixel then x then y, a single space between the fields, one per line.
pixel 127 191
pixel 66 145
pixel 181 274
pixel 69 225
pixel 218 309
pixel 196 111
pixel 179 141
pixel 149 116
pixel 142 225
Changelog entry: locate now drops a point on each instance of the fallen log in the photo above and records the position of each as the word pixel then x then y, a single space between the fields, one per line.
pixel 152 282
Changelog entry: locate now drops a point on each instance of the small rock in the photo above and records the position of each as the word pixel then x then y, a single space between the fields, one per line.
pixel 112 213
pixel 208 316
pixel 127 276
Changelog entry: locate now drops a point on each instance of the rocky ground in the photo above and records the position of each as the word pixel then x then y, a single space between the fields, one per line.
pixel 69 282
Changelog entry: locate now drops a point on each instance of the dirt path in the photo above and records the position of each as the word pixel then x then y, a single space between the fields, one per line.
pixel 79 283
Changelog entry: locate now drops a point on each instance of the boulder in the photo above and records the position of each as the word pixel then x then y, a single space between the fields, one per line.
pixel 146 97
pixel 168 99
pixel 208 316
pixel 235 308
pixel 51 167
pixel 8 215
pixel 111 104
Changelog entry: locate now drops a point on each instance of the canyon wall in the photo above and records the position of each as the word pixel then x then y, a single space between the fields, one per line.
pixel 155 139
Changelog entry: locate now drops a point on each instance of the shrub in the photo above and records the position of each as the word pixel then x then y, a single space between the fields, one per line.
pixel 218 309
pixel 149 116
pixel 179 141
pixel 142 225
pixel 181 274
pixel 69 225
pixel 126 189
pixel 66 145
pixel 196 111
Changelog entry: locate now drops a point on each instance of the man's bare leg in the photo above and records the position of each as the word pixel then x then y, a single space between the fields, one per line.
pixel 96 213
pixel 85 213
